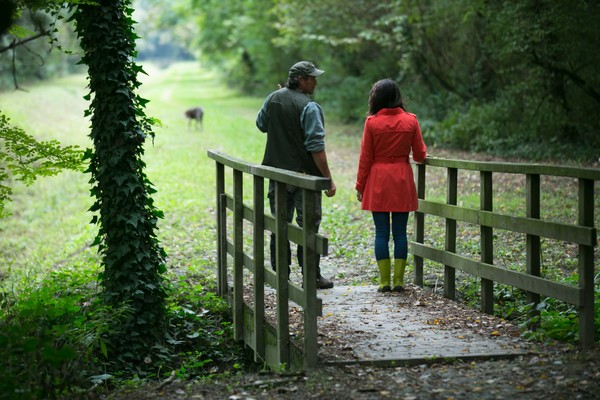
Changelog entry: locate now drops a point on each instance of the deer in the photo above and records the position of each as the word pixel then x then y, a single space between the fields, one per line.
pixel 195 114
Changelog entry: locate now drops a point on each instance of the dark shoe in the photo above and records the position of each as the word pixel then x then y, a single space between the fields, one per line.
pixel 384 289
pixel 323 283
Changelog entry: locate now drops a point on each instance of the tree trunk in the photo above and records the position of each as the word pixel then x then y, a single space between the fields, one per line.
pixel 132 257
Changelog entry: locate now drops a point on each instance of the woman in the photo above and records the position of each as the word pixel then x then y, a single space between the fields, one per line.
pixel 385 183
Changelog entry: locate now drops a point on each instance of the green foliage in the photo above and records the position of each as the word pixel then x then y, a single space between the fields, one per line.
pixel 133 259
pixel 558 320
pixel 24 159
pixel 236 36
pixel 507 78
pixel 34 47
pixel 200 331
pixel 167 33
pixel 55 335
pixel 49 330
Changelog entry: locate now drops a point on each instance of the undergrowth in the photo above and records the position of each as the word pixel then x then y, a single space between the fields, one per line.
pixel 53 331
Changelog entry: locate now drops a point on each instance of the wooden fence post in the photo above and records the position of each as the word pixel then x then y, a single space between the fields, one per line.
pixel 221 242
pixel 282 256
pixel 487 242
pixel 420 224
pixel 258 250
pixel 533 242
pixel 309 203
pixel 586 265
pixel 238 256
pixel 450 245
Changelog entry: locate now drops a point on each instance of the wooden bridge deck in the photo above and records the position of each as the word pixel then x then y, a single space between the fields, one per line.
pixel 360 325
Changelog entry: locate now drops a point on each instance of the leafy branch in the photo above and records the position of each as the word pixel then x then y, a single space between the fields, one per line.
pixel 24 158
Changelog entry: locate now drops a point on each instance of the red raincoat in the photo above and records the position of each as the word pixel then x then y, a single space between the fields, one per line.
pixel 385 176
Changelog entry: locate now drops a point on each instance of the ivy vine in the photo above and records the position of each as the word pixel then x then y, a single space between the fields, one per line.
pixel 133 259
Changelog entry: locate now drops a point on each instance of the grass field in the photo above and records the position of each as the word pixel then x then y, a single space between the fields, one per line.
pixel 50 226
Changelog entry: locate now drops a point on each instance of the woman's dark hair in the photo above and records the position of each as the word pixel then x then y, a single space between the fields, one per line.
pixel 385 94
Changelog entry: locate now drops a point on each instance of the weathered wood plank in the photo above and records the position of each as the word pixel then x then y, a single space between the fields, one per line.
pixel 303 181
pixel 281 240
pixel 487 241
pixel 420 222
pixel 309 202
pixel 533 249
pixel 586 265
pixel 238 267
pixel 258 250
pixel 516 168
pixel 552 230
pixel 517 279
pixel 450 240
pixel 221 230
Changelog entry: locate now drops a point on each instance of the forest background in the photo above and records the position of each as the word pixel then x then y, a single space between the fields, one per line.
pixel 514 80
pixel 506 78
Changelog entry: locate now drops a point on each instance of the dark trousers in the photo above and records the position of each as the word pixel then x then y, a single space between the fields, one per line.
pixel 293 202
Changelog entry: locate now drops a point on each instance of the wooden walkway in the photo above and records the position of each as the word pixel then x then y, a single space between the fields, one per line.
pixel 360 325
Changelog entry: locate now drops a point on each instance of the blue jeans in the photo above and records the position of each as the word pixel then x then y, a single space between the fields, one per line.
pixel 382 234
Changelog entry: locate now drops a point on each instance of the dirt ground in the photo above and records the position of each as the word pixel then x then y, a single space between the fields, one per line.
pixel 551 371
pixel 556 374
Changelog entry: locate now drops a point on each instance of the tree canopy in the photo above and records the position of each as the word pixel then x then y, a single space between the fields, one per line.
pixel 499 77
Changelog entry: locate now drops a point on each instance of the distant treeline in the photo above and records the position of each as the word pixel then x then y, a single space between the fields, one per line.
pixel 510 78
pixel 520 79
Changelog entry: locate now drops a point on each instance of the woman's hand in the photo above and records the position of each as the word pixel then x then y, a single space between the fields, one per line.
pixel 359 195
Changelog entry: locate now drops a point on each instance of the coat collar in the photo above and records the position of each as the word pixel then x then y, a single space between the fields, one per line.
pixel 390 111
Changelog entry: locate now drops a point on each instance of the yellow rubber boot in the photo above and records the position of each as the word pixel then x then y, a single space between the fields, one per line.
pixel 399 267
pixel 385 267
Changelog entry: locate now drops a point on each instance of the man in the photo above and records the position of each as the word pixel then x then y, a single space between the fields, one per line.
pixel 295 129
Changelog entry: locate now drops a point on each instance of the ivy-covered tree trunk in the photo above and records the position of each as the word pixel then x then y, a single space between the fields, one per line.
pixel 133 259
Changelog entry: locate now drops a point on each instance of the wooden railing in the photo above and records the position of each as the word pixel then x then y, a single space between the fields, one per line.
pixel 270 339
pixel 583 234
pixel 270 342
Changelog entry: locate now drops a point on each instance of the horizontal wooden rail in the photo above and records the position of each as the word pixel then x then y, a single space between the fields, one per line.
pixel 505 276
pixel 516 168
pixel 297 179
pixel 552 230
pixel 294 231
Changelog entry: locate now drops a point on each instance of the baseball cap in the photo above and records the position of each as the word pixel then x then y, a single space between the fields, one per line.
pixel 305 68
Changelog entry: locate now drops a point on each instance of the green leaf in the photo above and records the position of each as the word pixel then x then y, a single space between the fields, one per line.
pixel 103 348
